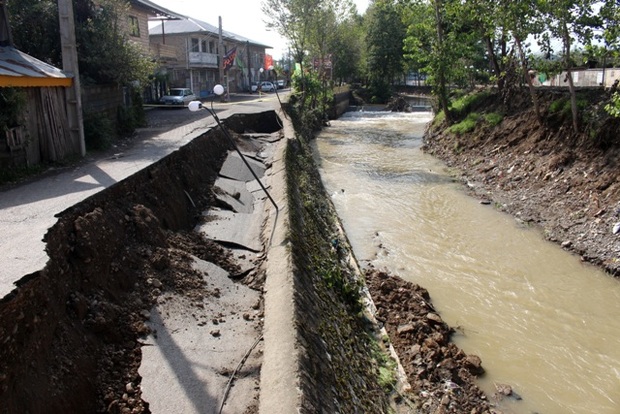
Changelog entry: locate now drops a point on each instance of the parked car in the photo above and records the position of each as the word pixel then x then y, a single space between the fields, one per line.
pixel 178 96
pixel 281 83
pixel 265 86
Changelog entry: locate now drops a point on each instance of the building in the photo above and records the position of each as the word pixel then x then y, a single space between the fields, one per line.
pixel 136 23
pixel 189 55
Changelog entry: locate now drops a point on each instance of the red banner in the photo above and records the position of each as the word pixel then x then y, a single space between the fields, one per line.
pixel 268 62
pixel 229 59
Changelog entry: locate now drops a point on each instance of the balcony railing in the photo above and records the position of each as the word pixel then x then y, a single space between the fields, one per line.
pixel 204 59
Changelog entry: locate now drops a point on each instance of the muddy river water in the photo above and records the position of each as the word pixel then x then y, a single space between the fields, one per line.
pixel 541 321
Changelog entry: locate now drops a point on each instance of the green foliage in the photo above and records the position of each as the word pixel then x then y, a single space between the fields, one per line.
pixel 99 132
pixel 613 107
pixel 462 105
pixel 12 106
pixel 385 34
pixel 348 50
pixel 440 117
pixel 387 367
pixel 493 118
pixel 466 125
pixel 128 119
pixel 41 40
pixel 562 107
pixel 559 106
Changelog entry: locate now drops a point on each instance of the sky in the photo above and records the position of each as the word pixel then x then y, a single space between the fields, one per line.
pixel 242 17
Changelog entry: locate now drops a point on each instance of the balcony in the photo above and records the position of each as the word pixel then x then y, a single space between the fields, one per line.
pixel 203 59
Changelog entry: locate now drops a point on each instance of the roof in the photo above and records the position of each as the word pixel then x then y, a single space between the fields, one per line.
pixel 194 26
pixel 158 11
pixel 21 70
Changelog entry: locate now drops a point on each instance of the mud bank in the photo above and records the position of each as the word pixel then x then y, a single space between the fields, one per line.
pixel 545 175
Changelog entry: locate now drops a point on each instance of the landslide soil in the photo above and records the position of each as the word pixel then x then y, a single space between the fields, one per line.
pixel 545 174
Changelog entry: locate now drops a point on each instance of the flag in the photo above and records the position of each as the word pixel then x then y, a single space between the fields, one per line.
pixel 268 62
pixel 229 59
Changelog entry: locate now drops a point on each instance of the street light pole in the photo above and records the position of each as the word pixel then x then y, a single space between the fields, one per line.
pixel 197 105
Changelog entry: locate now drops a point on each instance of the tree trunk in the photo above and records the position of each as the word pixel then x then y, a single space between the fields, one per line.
pixel 530 85
pixel 442 89
pixel 569 75
pixel 495 63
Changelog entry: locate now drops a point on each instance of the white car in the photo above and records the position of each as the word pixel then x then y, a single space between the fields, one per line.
pixel 178 97
pixel 265 86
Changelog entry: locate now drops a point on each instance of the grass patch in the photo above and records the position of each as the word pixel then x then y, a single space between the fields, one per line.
pixel 439 118
pixel 493 119
pixel 462 105
pixel 466 125
pixel 387 366
pixel 563 107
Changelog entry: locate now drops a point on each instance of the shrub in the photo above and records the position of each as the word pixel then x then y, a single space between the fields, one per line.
pixel 98 132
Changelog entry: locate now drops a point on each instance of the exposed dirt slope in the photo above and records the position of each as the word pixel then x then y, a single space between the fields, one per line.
pixel 543 173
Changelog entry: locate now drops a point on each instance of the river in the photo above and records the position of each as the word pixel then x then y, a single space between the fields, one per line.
pixel 541 321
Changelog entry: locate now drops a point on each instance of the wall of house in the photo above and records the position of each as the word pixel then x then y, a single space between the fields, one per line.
pixel 44 135
pixel 586 78
pixel 175 43
pixel 143 17
pixel 102 99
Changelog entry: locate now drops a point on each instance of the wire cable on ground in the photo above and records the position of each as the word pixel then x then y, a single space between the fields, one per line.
pixel 232 377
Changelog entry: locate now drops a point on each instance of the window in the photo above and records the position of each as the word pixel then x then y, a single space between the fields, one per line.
pixel 195 45
pixel 203 46
pixel 211 47
pixel 134 26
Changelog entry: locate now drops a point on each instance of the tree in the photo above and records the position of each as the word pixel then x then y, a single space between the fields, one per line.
pixel 568 18
pixel 310 26
pixel 385 35
pixel 347 47
pixel 41 40
pixel 442 35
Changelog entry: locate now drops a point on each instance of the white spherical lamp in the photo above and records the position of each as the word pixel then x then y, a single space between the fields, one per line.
pixel 194 106
pixel 218 89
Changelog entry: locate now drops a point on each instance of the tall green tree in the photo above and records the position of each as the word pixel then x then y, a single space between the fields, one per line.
pixel 442 34
pixel 385 36
pixel 571 21
pixel 41 40
pixel 347 47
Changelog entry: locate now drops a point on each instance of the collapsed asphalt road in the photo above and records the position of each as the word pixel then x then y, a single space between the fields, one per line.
pixel 28 209
pixel 73 333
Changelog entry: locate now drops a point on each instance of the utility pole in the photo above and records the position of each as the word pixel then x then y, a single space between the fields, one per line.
pixel 221 52
pixel 70 67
